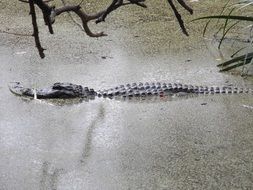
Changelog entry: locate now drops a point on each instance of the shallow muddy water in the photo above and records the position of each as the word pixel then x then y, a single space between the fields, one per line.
pixel 203 142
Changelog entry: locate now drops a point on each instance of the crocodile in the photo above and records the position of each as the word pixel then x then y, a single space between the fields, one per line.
pixel 69 90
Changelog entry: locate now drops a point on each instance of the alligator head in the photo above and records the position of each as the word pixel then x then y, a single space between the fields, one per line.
pixel 58 90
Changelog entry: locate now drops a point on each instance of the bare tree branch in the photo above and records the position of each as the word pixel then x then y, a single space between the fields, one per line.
pixel 116 4
pixel 100 16
pixel 183 4
pixel 74 21
pixel 50 13
pixel 83 16
pixel 46 10
pixel 35 29
pixel 178 16
pixel 27 1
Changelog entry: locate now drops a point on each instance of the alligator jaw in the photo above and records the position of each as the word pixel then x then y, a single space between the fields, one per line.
pixel 58 90
pixel 18 89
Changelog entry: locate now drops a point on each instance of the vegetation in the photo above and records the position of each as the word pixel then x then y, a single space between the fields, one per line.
pixel 231 15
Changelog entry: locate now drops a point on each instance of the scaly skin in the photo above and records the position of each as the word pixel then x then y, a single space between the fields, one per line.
pixel 69 90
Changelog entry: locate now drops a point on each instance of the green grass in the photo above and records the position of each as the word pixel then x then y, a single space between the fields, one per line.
pixel 230 20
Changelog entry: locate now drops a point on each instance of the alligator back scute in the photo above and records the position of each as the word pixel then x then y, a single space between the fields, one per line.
pixel 67 89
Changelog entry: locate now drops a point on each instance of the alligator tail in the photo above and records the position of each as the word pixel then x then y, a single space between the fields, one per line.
pixel 146 89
